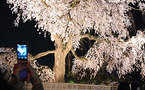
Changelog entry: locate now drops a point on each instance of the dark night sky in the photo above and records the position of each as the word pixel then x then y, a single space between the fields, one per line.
pixel 25 32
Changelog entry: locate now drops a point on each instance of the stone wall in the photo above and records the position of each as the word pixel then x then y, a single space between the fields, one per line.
pixel 66 86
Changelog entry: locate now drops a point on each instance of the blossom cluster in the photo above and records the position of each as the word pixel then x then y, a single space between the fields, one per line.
pixel 7 61
pixel 44 73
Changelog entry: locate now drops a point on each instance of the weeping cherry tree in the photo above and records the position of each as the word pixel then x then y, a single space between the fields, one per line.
pixel 69 21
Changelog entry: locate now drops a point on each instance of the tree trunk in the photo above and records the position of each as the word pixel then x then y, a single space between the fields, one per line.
pixel 59 65
pixel 60 53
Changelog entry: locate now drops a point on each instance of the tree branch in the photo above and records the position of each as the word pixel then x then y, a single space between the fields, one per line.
pixel 96 38
pixel 78 58
pixel 41 54
pixel 137 9
pixel 45 3
pixel 90 37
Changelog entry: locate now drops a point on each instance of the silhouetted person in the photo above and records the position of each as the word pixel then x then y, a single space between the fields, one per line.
pixel 24 72
pixel 135 85
pixel 123 86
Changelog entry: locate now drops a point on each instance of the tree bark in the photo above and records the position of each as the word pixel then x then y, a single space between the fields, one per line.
pixel 60 53
pixel 59 65
pixel 59 60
